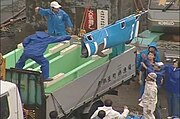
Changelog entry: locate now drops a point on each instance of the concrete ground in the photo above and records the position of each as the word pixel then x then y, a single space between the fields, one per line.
pixel 128 95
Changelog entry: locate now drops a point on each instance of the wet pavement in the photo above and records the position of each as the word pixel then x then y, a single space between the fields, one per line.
pixel 128 95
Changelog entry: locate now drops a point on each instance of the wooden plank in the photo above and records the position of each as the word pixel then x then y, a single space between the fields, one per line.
pixel 106 51
pixel 69 49
pixel 59 47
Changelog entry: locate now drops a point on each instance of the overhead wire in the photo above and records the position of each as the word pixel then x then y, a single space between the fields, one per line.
pixel 142 5
pixel 136 6
pixel 58 104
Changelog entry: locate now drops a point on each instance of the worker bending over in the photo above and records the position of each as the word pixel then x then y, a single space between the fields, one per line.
pixel 34 47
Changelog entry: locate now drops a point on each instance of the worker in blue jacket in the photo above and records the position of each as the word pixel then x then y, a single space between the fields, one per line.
pixel 34 47
pixel 152 47
pixel 172 84
pixel 58 20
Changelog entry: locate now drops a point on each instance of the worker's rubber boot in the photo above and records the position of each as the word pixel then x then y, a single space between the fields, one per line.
pixel 48 79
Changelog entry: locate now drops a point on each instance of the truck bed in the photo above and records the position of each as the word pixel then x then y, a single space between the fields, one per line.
pixel 78 80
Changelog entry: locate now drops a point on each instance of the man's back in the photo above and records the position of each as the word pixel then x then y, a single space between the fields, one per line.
pixel 110 113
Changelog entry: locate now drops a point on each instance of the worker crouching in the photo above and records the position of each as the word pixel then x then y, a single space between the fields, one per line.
pixel 34 47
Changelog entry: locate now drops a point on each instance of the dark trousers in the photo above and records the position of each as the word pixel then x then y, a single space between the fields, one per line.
pixel 41 60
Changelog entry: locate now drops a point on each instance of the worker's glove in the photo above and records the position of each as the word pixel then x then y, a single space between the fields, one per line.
pixel 69 30
pixel 76 38
pixel 37 10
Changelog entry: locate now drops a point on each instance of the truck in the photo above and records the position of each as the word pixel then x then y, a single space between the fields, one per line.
pixel 78 85
pixel 163 25
pixel 11 106
pixel 73 91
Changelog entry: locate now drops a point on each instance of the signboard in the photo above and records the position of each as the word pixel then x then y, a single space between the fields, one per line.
pixel 102 18
pixel 90 20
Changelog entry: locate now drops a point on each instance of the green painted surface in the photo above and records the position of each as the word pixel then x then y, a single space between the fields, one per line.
pixel 71 64
pixel 65 63
pixel 76 73
pixel 13 56
pixel 146 37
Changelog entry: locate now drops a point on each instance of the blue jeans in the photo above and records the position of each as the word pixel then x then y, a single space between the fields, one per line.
pixel 173 104
pixel 41 60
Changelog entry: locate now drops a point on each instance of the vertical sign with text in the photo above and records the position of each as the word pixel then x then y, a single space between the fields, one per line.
pixel 102 18
pixel 91 20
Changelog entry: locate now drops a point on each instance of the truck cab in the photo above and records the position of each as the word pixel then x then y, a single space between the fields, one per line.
pixel 11 106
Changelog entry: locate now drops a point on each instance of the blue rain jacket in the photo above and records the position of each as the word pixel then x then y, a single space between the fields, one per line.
pixel 159 73
pixel 57 22
pixel 146 51
pixel 36 44
pixel 172 82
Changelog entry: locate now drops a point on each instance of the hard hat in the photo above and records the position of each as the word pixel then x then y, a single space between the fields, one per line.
pixel 55 4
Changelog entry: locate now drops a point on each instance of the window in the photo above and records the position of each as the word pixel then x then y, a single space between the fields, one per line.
pixel 4 107
pixel 161 4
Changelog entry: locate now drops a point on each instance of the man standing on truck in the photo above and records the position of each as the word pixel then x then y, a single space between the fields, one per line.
pixel 34 47
pixel 58 20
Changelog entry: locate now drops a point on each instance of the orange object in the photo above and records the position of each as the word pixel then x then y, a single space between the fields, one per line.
pixel 82 32
pixel 2 67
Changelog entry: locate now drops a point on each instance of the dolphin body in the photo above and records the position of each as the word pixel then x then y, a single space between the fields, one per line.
pixel 122 31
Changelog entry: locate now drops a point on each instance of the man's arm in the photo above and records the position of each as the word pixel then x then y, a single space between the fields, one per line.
pixel 59 39
pixel 95 114
pixel 41 11
pixel 157 58
pixel 26 41
pixel 125 113
pixel 68 22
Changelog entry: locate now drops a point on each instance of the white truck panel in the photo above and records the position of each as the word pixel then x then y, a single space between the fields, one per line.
pixel 78 92
pixel 14 101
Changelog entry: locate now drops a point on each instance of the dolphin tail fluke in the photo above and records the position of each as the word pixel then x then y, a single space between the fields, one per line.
pixel 100 49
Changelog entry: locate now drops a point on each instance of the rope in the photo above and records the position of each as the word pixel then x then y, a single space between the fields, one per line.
pixel 59 106
pixel 94 96
pixel 135 3
pixel 142 5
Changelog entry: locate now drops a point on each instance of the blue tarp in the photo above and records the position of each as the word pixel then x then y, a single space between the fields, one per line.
pixel 122 31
